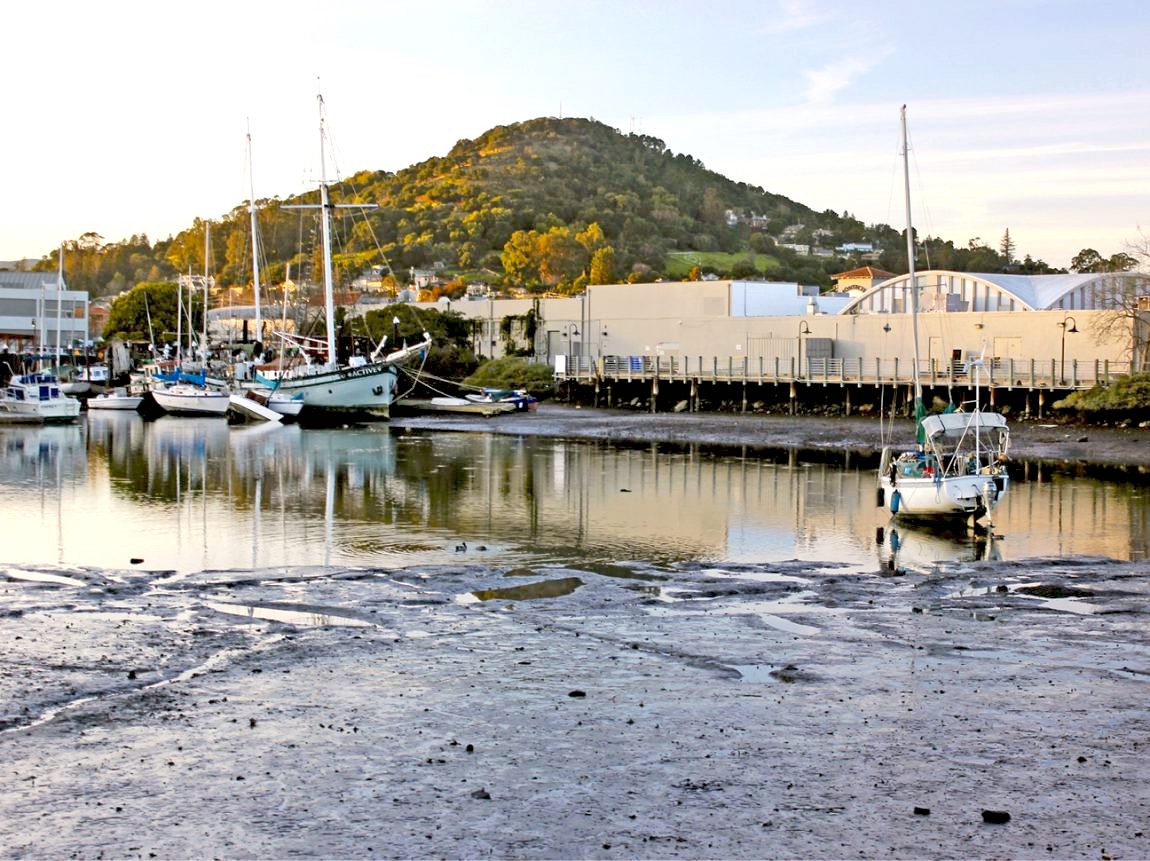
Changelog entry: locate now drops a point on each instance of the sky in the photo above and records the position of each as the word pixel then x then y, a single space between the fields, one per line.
pixel 1031 116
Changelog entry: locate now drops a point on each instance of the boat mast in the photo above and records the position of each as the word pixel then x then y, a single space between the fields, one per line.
pixel 59 304
pixel 207 269
pixel 325 206
pixel 919 409
pixel 255 241
pixel 180 318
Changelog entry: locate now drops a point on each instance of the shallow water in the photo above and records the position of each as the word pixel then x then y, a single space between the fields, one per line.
pixel 187 495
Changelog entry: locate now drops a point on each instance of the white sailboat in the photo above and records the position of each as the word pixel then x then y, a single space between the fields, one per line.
pixel 957 470
pixel 195 399
pixel 330 390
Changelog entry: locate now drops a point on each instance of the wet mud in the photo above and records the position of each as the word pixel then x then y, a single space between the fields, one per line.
pixel 1031 440
pixel 973 710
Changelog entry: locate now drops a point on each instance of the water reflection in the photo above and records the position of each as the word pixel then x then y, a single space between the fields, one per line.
pixel 189 495
pixel 917 546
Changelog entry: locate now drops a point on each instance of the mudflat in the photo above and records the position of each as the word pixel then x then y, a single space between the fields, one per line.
pixel 708 710
pixel 1030 440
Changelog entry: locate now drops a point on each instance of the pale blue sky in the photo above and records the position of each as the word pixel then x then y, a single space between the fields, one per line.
pixel 1032 115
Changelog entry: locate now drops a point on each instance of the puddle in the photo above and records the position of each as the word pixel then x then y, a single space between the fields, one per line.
pixel 42 577
pixel 754 576
pixel 766 611
pixel 763 674
pixel 526 592
pixel 606 569
pixel 1071 605
pixel 309 617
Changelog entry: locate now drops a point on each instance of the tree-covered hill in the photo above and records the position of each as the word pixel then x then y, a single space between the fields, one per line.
pixel 546 204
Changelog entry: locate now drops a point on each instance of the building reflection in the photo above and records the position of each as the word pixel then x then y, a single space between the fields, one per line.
pixel 197 493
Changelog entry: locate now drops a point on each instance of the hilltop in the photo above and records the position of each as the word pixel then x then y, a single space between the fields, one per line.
pixel 546 204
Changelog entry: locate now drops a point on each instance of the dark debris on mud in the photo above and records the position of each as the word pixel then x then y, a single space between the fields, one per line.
pixel 701 710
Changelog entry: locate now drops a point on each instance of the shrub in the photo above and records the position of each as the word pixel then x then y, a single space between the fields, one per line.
pixel 513 373
pixel 1129 399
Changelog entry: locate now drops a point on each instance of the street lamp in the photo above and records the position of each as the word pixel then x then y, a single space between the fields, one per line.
pixel 804 329
pixel 1062 356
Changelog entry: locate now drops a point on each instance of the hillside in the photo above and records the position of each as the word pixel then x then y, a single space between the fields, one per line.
pixel 546 204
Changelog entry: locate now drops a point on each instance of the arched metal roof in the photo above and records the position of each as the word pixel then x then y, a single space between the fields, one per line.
pixel 976 291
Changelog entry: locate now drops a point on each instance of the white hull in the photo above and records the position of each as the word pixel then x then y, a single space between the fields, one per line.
pixel 191 401
pixel 115 401
pixel 954 496
pixel 286 405
pixel 59 410
pixel 36 399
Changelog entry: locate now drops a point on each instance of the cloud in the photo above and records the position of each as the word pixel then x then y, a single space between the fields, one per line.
pixel 793 16
pixel 823 84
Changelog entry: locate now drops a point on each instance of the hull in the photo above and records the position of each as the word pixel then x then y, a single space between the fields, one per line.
pixel 192 402
pixel 286 406
pixel 959 496
pixel 364 391
pixel 36 399
pixel 40 412
pixel 115 402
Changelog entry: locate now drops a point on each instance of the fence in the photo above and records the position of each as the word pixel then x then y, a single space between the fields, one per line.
pixel 1002 373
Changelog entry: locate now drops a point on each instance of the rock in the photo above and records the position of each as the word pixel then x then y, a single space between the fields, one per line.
pixel 922 811
pixel 481 793
pixel 995 817
pixel 577 693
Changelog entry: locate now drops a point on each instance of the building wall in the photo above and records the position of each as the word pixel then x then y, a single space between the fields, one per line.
pixel 617 326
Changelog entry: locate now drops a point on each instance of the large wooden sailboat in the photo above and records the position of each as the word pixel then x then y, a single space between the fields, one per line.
pixel 329 389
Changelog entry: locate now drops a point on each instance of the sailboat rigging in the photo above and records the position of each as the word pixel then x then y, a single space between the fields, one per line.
pixel 957 469
pixel 334 390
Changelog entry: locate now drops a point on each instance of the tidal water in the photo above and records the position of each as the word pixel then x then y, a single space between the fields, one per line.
pixel 187 495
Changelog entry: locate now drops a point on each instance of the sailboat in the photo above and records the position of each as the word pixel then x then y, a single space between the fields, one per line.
pixel 958 468
pixel 331 390
pixel 185 397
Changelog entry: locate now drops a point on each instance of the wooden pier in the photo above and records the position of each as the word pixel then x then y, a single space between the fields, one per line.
pixel 684 382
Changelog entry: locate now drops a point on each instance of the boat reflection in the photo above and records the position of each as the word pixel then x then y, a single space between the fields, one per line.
pixel 924 547
pixel 195 494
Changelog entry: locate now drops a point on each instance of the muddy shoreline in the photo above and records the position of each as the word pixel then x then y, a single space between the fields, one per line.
pixel 786 709
pixel 1032 441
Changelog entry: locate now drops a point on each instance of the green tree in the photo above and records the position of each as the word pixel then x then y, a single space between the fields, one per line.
pixel 144 313
pixel 1006 247
pixel 520 258
pixel 1087 260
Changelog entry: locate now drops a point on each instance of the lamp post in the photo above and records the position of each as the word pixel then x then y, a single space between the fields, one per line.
pixel 1062 355
pixel 804 329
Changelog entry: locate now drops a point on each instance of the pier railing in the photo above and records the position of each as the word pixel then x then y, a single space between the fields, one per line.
pixel 1000 373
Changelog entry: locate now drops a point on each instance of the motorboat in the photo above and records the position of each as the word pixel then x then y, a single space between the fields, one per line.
pixel 184 399
pixel 118 398
pixel 35 398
